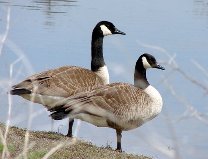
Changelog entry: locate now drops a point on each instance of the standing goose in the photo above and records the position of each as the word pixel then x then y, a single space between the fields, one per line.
pixel 120 106
pixel 50 88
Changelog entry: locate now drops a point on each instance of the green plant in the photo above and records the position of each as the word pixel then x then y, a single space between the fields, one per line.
pixel 36 154
pixel 1 148
pixel 10 147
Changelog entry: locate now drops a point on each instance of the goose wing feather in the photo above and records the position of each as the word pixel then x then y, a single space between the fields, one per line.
pixel 120 99
pixel 64 81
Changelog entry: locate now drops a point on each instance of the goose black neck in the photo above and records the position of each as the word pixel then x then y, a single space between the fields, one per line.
pixel 97 60
pixel 140 79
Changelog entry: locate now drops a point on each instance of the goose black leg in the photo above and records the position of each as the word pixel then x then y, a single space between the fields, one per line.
pixel 118 134
pixel 69 134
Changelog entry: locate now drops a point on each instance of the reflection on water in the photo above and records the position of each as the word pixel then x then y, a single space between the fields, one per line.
pixel 50 7
pixel 201 8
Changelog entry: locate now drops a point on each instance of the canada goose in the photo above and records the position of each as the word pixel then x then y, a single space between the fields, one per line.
pixel 120 106
pixel 51 87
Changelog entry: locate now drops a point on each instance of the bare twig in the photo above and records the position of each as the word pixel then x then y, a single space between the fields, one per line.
pixel 192 80
pixel 190 108
pixel 174 136
pixel 9 105
pixel 53 150
pixel 200 67
pixel 2 41
pixel 6 151
pixel 56 148
pixel 30 146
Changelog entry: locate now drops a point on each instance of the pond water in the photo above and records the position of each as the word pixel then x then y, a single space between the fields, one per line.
pixel 38 35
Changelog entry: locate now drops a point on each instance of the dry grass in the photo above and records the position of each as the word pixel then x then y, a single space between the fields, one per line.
pixel 41 143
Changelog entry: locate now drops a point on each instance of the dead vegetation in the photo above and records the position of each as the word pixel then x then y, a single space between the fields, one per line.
pixel 54 146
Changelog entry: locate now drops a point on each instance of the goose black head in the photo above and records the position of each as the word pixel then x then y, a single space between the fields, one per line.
pixel 149 61
pixel 104 28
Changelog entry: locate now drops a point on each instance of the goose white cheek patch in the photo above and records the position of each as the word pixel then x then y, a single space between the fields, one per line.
pixel 105 30
pixel 146 63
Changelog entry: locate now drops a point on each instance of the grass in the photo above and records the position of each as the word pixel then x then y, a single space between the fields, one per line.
pixel 10 147
pixel 36 154
pixel 1 148
pixel 41 143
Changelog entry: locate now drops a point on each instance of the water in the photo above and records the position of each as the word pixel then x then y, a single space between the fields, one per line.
pixel 45 34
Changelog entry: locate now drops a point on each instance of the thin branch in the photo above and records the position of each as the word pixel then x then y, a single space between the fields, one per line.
pixel 200 67
pixel 192 112
pixel 53 150
pixel 194 81
pixel 5 150
pixel 6 31
pixel 56 148
pixel 28 148
pixel 9 104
